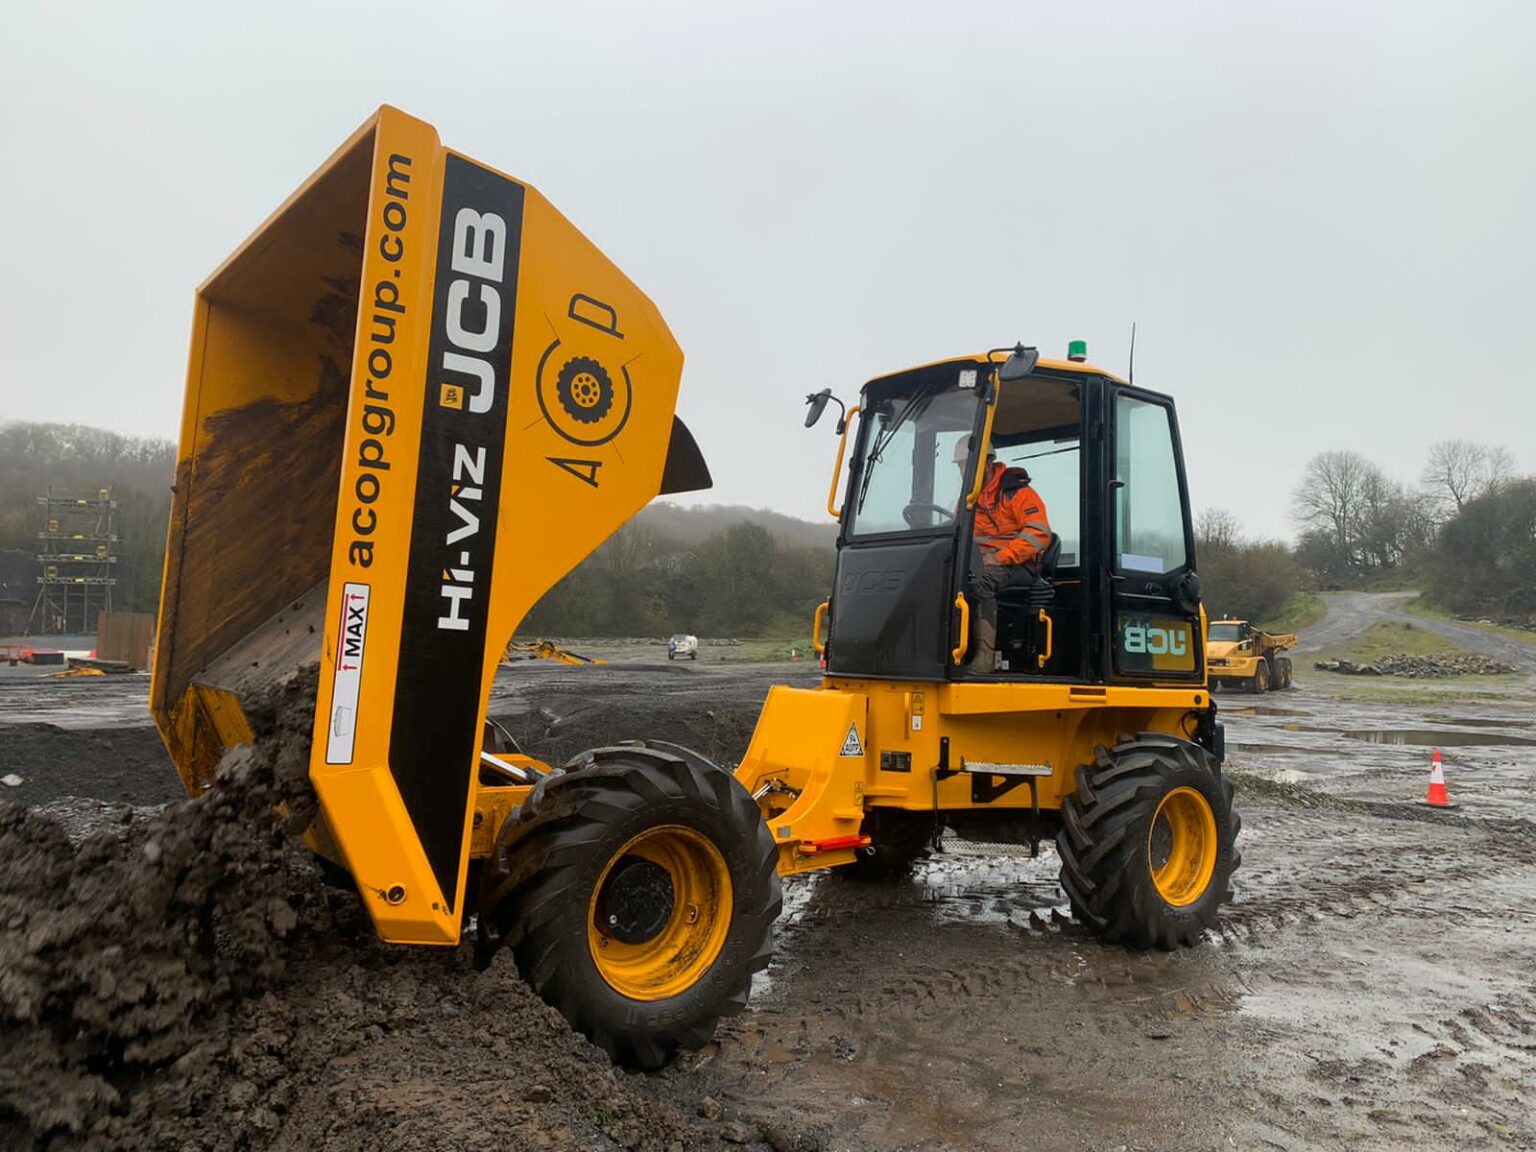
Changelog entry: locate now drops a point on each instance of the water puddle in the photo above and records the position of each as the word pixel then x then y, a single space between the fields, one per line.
pixel 1438 738
pixel 1472 722
pixel 1263 710
pixel 1245 746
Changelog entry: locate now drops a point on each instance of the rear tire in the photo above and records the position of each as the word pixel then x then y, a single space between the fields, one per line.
pixel 1148 842
pixel 1281 680
pixel 638 893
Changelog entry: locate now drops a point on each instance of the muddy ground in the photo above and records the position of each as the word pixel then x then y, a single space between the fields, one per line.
pixel 1373 985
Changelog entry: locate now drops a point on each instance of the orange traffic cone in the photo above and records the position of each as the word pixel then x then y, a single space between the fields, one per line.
pixel 1438 797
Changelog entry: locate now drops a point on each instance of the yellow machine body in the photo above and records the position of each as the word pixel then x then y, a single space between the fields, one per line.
pixel 823 760
pixel 417 396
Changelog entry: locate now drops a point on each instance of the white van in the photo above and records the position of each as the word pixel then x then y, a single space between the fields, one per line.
pixel 682 644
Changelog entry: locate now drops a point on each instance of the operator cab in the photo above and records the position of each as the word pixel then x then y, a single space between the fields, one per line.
pixel 1229 632
pixel 1117 598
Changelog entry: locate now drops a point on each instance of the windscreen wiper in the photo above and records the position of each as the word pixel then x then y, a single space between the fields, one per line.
pixel 916 404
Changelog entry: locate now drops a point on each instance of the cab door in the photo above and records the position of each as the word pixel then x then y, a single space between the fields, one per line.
pixel 1154 601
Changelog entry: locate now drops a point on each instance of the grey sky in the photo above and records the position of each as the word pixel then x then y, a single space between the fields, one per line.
pixel 1322 216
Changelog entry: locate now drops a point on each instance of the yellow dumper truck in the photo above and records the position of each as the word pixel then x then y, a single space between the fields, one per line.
pixel 418 396
pixel 1238 655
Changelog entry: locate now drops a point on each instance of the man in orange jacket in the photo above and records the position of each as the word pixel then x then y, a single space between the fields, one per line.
pixel 1010 532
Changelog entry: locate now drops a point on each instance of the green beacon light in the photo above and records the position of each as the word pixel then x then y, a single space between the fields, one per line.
pixel 1077 351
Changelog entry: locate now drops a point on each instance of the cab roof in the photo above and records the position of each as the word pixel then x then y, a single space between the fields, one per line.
pixel 997 357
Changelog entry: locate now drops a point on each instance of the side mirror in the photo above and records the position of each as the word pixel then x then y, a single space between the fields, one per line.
pixel 1020 364
pixel 818 405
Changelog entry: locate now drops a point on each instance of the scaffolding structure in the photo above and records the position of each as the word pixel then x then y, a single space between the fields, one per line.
pixel 76 560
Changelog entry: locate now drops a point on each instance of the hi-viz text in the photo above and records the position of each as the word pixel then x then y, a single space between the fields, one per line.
pixel 472 325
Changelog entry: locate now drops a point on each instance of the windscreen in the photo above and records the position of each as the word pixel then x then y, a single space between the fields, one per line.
pixel 908 478
pixel 1225 633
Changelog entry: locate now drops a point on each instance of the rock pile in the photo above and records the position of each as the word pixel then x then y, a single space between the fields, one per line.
pixel 1419 667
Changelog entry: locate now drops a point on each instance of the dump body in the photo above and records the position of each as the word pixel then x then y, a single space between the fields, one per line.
pixel 417 396
pixel 1235 649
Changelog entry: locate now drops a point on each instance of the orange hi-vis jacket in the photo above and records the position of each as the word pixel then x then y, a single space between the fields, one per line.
pixel 1011 523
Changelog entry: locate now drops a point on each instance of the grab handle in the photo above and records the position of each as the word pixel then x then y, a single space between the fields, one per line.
pixel 958 655
pixel 837 469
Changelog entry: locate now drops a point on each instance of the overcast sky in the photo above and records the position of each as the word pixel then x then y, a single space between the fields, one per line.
pixel 1321 216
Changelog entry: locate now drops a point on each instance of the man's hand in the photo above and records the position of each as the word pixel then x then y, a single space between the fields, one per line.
pixel 988 560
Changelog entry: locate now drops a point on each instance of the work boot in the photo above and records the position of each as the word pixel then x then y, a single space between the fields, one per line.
pixel 984 658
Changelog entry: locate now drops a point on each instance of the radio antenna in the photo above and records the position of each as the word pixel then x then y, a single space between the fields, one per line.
pixel 1130 368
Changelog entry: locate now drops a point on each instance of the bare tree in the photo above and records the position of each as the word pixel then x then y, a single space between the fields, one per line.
pixel 1332 499
pixel 1217 530
pixel 1500 469
pixel 1460 471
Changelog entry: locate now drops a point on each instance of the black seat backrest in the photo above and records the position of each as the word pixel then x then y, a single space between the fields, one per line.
pixel 1049 557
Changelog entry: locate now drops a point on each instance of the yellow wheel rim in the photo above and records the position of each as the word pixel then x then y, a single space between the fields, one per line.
pixel 659 913
pixel 1181 846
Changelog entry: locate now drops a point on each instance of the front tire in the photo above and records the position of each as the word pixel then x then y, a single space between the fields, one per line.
pixel 638 893
pixel 1259 684
pixel 1148 842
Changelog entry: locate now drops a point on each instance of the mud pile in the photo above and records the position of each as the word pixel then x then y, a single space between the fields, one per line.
pixel 567 723
pixel 187 981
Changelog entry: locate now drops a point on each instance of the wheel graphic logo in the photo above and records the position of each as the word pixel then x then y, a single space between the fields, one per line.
pixel 584 389
pixel 585 403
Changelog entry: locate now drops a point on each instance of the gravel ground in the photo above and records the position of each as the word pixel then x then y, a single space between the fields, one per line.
pixel 1371 986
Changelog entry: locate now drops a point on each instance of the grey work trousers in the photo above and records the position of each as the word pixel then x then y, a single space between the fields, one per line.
pixel 987 580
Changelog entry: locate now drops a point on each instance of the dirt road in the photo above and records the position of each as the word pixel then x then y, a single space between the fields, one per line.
pixel 1350 613
pixel 1371 987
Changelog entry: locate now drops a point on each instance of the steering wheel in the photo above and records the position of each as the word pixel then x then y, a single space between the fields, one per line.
pixel 909 514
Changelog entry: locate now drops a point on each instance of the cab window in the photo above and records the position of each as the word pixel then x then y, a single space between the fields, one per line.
pixel 1149 509
pixel 1055 470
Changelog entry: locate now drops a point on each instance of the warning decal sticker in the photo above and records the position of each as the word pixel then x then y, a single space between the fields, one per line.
pixel 851 745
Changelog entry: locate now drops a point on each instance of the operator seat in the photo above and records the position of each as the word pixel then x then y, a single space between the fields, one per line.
pixel 1023 602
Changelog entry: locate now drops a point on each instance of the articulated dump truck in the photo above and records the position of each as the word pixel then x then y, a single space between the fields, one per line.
pixel 1242 656
pixel 417 397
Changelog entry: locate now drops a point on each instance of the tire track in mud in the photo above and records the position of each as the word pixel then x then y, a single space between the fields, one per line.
pixel 898 1014
pixel 1440 907
pixel 1371 878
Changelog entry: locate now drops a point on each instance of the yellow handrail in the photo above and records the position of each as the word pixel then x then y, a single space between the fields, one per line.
pixel 1050 635
pixel 958 654
pixel 821 613
pixel 837 469
pixel 981 457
